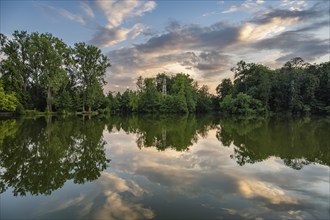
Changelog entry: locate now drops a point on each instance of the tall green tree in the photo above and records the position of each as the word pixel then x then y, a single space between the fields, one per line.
pixel 90 67
pixel 150 98
pixel 54 52
pixel 15 69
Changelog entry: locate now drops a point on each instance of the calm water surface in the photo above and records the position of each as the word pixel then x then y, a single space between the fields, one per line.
pixel 164 167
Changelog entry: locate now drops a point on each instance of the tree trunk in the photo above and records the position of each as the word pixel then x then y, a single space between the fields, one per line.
pixel 89 109
pixel 49 101
pixel 83 107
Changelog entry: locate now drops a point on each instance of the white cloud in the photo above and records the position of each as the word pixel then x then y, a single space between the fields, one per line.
pixel 68 15
pixel 248 5
pixel 87 9
pixel 293 5
pixel 117 11
pixel 253 32
pixel 253 188
pixel 117 207
pixel 232 8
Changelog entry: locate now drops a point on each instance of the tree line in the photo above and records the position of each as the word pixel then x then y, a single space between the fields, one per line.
pixel 296 88
pixel 39 71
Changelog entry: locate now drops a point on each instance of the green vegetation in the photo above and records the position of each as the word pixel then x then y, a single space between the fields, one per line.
pixel 45 74
pixel 180 94
pixel 177 132
pixel 297 141
pixel 39 156
pixel 296 88
pixel 41 73
pixel 8 101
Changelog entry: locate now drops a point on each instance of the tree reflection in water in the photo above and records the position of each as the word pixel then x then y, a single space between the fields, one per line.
pixel 297 142
pixel 39 156
pixel 166 131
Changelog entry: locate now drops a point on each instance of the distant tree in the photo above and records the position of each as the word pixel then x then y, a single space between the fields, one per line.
pixel 224 88
pixel 150 99
pixel 204 102
pixel 139 84
pixel 242 104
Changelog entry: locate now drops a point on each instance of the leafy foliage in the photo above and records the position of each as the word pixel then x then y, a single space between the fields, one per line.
pixel 39 156
pixel 45 73
pixel 8 101
pixel 296 88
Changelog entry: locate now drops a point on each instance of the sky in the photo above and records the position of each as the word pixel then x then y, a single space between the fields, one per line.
pixel 204 39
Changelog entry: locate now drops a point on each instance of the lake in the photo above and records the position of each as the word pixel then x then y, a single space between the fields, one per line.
pixel 164 167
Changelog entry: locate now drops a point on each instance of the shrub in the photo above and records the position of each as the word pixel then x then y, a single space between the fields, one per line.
pixel 242 104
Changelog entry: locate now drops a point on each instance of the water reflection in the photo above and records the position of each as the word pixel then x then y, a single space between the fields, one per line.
pixel 297 141
pixel 165 167
pixel 205 182
pixel 39 156
pixel 164 131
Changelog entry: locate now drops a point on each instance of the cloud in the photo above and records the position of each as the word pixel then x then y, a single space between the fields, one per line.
pixel 116 13
pixel 308 14
pixel 190 37
pixel 252 188
pixel 192 49
pixel 206 173
pixel 288 33
pixel 260 1
pixel 84 16
pixel 106 37
pixel 117 208
pixel 314 26
pixel 87 9
pixel 293 44
pixel 293 5
pixel 208 52
pixel 253 32
pixel 212 63
pixel 231 9
pixel 66 14
pixel 248 6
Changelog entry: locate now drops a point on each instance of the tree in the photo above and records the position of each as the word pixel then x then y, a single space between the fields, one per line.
pixel 8 101
pixel 90 67
pixel 224 88
pixel 150 98
pixel 204 102
pixel 183 86
pixel 15 68
pixel 53 74
pixel 139 84
pixel 242 104
pixel 241 72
